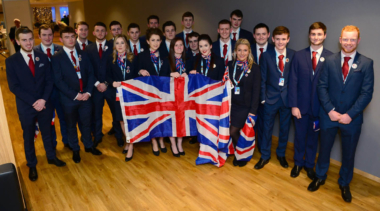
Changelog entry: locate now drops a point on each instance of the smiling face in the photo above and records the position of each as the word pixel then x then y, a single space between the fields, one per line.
pixel 46 36
pixel 26 41
pixel 154 42
pixel 82 31
pixel 349 41
pixel 317 36
pixel 169 32
pixel 120 45
pixel 205 47
pixel 280 41
pixel 224 30
pixel 153 23
pixel 261 36
pixel 178 48
pixel 242 52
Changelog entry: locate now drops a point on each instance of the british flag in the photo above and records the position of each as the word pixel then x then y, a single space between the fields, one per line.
pixel 187 106
pixel 246 143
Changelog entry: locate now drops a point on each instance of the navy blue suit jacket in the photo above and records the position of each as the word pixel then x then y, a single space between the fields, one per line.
pixel 145 63
pixel 66 78
pixel 245 34
pixel 302 88
pixel 79 48
pixel 351 97
pixel 271 92
pixel 254 51
pixel 56 48
pixel 114 72
pixel 216 47
pixel 99 64
pixel 164 49
pixel 24 86
pixel 217 66
pixel 143 45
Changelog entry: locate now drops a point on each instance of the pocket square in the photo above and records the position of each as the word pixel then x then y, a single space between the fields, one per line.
pixel 41 65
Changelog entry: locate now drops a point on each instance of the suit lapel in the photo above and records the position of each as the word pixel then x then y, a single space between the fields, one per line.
pixel 254 53
pixel 274 62
pixel 320 62
pixel 307 55
pixel 217 48
pixel 351 72
pixel 287 62
pixel 24 66
pixel 338 68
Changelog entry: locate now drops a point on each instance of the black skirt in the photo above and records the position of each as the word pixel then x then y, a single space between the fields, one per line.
pixel 118 112
pixel 239 114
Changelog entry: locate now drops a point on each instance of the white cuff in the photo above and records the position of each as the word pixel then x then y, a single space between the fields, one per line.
pixel 97 83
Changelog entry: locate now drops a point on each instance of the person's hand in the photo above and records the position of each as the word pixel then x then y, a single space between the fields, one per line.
pixel 174 74
pixel 39 105
pixel 85 96
pixel 79 97
pixel 116 84
pixel 345 119
pixel 144 73
pixel 101 87
pixel 193 72
pixel 334 116
pixel 296 112
pixel 184 75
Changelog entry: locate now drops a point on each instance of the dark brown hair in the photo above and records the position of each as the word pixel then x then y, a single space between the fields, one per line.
pixel 44 27
pixel 318 25
pixel 82 23
pixel 152 31
pixel 66 29
pixel 172 53
pixel 280 30
pixel 23 30
pixel 207 38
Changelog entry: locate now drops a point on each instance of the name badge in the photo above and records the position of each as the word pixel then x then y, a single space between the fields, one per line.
pixel 237 90
pixel 316 126
pixel 281 82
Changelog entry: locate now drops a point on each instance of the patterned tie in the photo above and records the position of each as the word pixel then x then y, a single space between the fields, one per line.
pixel 281 63
pixel 100 50
pixel 314 60
pixel 179 65
pixel 345 67
pixel 154 58
pixel 234 34
pixel 77 70
pixel 208 61
pixel 31 64
pixel 261 52
pixel 83 46
pixel 225 54
pixel 48 52
pixel 135 50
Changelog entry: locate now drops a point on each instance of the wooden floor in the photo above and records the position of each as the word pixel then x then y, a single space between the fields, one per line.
pixel 148 182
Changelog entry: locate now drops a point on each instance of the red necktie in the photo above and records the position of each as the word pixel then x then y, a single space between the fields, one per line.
pixel 345 67
pixel 83 46
pixel 48 52
pixel 77 70
pixel 314 60
pixel 234 38
pixel 135 50
pixel 100 50
pixel 31 64
pixel 187 39
pixel 261 52
pixel 225 56
pixel 281 63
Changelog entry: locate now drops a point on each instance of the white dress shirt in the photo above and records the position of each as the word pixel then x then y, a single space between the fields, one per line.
pixel 350 62
pixel 26 57
pixel 318 55
pixel 258 52
pixel 137 46
pixel 229 54
pixel 237 34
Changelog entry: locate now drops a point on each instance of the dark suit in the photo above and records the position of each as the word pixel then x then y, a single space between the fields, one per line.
pixel 28 89
pixel 351 98
pixel 100 72
pixel 56 102
pixel 302 94
pixel 145 63
pixel 216 69
pixel 245 34
pixel 276 100
pixel 164 50
pixel 143 46
pixel 67 82
pixel 12 36
pixel 216 48
pixel 79 48
pixel 254 51
pixel 183 37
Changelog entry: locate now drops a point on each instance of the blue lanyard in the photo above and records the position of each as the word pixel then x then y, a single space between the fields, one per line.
pixel 241 76
pixel 202 68
pixel 159 65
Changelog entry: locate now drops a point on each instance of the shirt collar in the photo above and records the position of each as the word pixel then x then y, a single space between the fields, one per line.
pixel 278 54
pixel 184 32
pixel 237 31
pixel 25 54
pixel 222 43
pixel 46 47
pixel 319 51
pixel 137 43
pixel 167 42
pixel 265 46
pixel 80 43
pixel 103 43
pixel 67 50
pixel 342 55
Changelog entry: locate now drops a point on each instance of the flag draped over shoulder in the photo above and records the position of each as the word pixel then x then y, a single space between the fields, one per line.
pixel 177 107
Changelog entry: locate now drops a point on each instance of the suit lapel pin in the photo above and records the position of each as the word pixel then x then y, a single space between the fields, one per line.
pixel 105 48
pixel 322 59
pixel 80 57
pixel 287 59
pixel 37 58
pixel 161 62
pixel 248 71
pixel 55 52
pixel 354 66
pixel 142 50
pixel 214 65
pixel 128 69
pixel 246 75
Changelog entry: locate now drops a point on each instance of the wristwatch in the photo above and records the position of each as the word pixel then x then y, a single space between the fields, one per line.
pixel 106 83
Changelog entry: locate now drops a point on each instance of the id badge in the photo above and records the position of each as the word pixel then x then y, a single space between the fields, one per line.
pixel 237 90
pixel 316 126
pixel 281 82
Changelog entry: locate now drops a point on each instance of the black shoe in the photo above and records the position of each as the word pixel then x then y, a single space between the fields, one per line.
pixel 128 159
pixel 181 153
pixel 112 131
pixel 283 162
pixel 56 162
pixel 295 171
pixel 156 153
pixel 346 193
pixel 76 157
pixel 33 176
pixel 175 155
pixel 120 142
pixel 193 140
pixel 125 151
pixel 315 184
pixel 68 146
pixel 242 163
pixel 97 142
pixel 163 150
pixel 235 162
pixel 261 163
pixel 93 150
pixel 310 173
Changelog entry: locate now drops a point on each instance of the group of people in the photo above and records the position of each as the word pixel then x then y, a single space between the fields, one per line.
pixel 323 91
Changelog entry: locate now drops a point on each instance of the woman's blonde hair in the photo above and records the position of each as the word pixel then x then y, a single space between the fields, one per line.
pixel 129 55
pixel 242 41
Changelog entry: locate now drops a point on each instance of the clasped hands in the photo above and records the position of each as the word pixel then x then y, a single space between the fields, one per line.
pixel 341 118
pixel 101 87
pixel 39 105
pixel 82 96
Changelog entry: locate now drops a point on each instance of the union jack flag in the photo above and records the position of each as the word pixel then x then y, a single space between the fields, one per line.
pixel 186 106
pixel 246 143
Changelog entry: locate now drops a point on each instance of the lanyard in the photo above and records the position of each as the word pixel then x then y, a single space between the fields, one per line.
pixel 203 72
pixel 241 76
pixel 159 66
